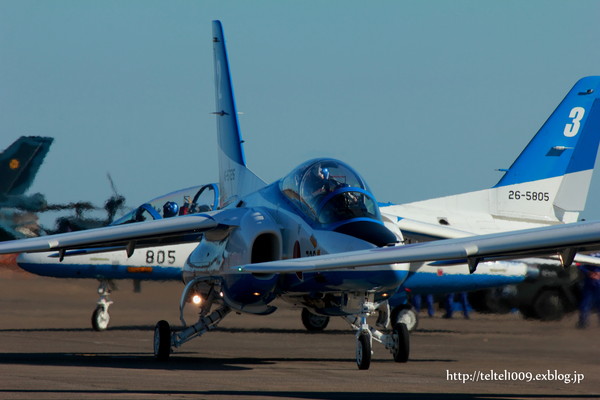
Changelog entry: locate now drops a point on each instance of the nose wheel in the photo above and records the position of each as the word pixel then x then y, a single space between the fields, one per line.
pixel 396 341
pixel 100 316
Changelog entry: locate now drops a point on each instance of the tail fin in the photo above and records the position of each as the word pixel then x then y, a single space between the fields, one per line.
pixel 235 179
pixel 20 162
pixel 547 184
pixel 552 176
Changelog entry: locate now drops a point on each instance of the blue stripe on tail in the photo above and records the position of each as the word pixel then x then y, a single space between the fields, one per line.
pixel 567 142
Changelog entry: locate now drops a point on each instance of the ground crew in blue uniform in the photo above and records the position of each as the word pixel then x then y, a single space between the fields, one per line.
pixel 590 293
pixel 464 303
pixel 417 303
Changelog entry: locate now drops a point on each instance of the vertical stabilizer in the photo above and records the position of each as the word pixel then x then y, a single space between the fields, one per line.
pixel 553 173
pixel 20 163
pixel 235 179
pixel 547 184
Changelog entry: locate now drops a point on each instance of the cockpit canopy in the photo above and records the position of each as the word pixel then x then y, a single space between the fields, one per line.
pixel 192 200
pixel 329 191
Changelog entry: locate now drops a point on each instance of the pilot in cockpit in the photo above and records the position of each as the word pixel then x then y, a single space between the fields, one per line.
pixel 324 183
pixel 170 209
pixel 320 184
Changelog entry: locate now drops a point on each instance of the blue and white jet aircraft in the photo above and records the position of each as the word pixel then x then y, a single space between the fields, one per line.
pixel 160 263
pixel 254 248
pixel 546 185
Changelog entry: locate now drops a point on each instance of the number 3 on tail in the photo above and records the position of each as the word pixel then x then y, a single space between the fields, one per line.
pixel 576 115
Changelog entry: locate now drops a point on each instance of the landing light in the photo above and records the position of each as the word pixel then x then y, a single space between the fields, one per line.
pixel 196 299
pixel 256 294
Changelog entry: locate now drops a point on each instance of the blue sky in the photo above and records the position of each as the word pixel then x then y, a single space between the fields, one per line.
pixel 423 98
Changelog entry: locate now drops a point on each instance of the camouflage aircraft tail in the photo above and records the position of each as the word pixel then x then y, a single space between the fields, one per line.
pixel 20 162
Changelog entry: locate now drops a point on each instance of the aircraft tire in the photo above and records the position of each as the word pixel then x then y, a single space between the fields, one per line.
pixel 363 351
pixel 100 319
pixel 549 305
pixel 402 348
pixel 407 315
pixel 313 322
pixel 162 341
pixel 528 312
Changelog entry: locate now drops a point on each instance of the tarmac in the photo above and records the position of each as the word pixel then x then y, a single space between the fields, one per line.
pixel 49 351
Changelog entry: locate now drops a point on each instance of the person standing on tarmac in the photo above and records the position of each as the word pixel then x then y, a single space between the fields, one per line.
pixel 464 303
pixel 590 292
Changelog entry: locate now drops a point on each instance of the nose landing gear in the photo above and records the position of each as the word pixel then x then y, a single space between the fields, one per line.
pixel 397 341
pixel 100 316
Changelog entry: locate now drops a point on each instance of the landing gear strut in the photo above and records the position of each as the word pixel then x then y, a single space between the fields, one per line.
pixel 100 316
pixel 397 341
pixel 165 339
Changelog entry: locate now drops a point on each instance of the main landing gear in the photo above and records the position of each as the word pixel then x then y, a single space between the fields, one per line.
pixel 313 322
pixel 100 316
pixel 166 339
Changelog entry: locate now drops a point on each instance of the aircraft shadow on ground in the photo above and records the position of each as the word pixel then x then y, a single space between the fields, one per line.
pixel 264 394
pixel 116 328
pixel 218 329
pixel 177 361
pixel 150 328
pixel 142 361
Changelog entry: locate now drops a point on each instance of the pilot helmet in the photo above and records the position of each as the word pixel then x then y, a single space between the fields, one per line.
pixel 325 172
pixel 170 209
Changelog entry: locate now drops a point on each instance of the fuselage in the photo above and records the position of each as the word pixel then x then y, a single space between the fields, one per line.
pixel 301 215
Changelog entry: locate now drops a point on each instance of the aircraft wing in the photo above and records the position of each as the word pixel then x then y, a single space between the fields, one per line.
pixel 425 231
pixel 126 236
pixel 565 240
pixel 420 229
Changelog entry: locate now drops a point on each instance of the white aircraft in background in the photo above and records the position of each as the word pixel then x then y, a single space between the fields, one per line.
pixel 546 185
pixel 315 238
pixel 161 263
